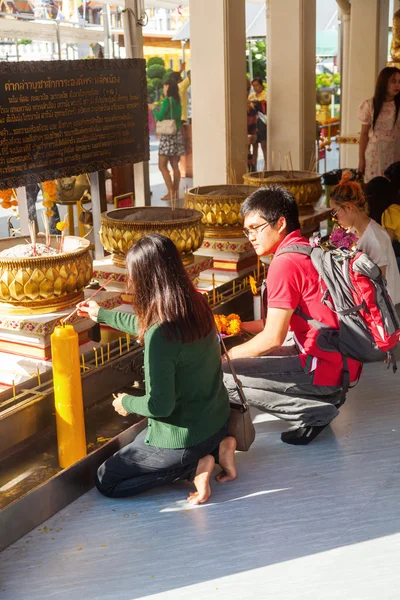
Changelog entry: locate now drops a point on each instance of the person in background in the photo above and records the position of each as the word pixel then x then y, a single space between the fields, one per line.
pixel 183 86
pixel 380 131
pixel 393 174
pixel 259 100
pixel 349 208
pixel 384 208
pixel 171 146
pixel 251 130
pixel 185 401
pixel 301 384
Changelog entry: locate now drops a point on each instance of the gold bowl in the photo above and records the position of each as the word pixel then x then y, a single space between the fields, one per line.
pixel 44 284
pixel 304 185
pixel 123 227
pixel 220 205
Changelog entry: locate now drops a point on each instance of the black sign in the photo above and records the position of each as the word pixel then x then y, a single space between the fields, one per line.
pixel 62 118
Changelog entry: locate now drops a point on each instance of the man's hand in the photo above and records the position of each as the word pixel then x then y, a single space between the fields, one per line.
pixel 117 404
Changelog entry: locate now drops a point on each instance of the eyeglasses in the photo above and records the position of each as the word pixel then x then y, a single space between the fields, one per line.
pixel 254 231
pixel 334 213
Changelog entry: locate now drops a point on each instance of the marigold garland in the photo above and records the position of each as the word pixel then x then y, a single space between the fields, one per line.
pixel 8 198
pixel 229 325
pixel 49 196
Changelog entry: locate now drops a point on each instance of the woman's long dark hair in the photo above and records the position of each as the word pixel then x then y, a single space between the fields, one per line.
pixel 380 93
pixel 163 293
pixel 380 195
pixel 173 90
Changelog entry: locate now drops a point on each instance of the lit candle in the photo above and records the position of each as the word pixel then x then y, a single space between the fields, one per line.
pixel 67 384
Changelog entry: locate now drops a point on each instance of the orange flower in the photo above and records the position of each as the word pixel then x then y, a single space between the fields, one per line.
pixel 229 325
pixel 49 191
pixel 217 323
pixel 7 198
pixel 233 327
pixel 62 225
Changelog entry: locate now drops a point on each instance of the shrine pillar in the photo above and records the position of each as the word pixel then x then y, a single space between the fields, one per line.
pixel 364 56
pixel 291 35
pixel 219 104
pixel 133 20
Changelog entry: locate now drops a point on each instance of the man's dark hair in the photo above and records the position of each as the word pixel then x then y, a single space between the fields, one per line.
pixel 271 203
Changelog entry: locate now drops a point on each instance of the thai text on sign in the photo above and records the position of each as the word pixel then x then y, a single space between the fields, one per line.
pixel 62 118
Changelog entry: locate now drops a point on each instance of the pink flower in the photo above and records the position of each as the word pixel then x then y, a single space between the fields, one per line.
pixel 342 238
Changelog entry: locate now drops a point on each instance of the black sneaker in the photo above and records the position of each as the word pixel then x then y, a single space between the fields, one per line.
pixel 301 436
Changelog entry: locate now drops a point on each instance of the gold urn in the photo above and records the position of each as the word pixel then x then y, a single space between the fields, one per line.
pixel 304 185
pixel 123 227
pixel 44 284
pixel 220 205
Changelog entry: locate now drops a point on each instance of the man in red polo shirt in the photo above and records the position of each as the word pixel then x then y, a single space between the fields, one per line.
pixel 301 383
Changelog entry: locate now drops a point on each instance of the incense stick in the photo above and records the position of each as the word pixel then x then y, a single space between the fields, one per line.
pixel 291 164
pixel 90 298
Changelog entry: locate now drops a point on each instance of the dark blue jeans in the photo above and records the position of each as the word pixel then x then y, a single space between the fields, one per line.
pixel 139 467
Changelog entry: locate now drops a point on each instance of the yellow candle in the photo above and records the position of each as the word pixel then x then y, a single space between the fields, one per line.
pixel 83 363
pixel 38 377
pixel 102 355
pixel 13 388
pixel 120 346
pixel 108 351
pixel 67 383
pixel 128 341
pixel 233 287
pixel 95 357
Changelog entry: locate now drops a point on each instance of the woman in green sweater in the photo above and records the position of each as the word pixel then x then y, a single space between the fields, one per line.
pixel 171 146
pixel 186 402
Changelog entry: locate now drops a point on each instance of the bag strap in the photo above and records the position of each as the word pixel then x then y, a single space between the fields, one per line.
pixel 170 106
pixel 296 249
pixel 242 396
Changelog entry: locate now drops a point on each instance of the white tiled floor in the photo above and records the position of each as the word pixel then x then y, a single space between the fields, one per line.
pixel 318 522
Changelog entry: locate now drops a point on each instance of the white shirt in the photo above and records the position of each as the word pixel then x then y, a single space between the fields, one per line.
pixel 376 243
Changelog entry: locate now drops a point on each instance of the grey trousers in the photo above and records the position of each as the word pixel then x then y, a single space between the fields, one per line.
pixel 277 384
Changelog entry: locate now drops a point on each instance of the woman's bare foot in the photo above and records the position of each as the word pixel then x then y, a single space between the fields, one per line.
pixel 166 197
pixel 227 460
pixel 202 480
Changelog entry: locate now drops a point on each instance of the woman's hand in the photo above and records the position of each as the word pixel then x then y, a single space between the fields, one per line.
pixel 117 404
pixel 88 308
pixel 150 106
